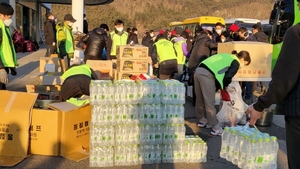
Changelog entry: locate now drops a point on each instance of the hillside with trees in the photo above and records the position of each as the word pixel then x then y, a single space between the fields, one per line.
pixel 156 14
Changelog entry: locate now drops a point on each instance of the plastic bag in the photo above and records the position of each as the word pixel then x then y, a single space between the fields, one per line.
pixel 232 111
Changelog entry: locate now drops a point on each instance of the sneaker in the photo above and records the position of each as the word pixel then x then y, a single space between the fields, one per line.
pixel 202 124
pixel 215 132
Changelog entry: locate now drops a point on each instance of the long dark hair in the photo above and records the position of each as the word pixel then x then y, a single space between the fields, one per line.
pixel 242 54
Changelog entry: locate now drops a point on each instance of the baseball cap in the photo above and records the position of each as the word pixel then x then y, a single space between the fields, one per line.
pixel 69 17
pixel 234 28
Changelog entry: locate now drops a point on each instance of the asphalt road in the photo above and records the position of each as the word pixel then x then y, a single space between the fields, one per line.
pixel 27 74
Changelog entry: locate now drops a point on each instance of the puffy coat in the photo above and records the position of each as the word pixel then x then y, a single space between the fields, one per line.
pixel 201 50
pixel 95 41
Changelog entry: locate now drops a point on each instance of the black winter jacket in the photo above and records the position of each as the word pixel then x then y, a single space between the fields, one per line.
pixel 49 32
pixel 95 41
pixel 147 41
pixel 259 37
pixel 133 37
pixel 201 50
pixel 284 88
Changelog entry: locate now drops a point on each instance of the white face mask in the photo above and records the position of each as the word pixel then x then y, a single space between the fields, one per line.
pixel 119 29
pixel 152 35
pixel 8 22
pixel 223 40
pixel 71 24
pixel 219 31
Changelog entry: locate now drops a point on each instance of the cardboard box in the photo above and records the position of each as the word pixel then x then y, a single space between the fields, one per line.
pixel 52 78
pixel 68 133
pixel 75 133
pixel 103 68
pixel 261 58
pixel 45 132
pixel 123 76
pixel 15 117
pixel 46 61
pixel 54 56
pixel 133 65
pixel 53 62
pixel 132 52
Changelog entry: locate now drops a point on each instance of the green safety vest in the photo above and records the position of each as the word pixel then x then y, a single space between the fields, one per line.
pixel 7 49
pixel 117 40
pixel 180 56
pixel 78 70
pixel 165 50
pixel 219 64
pixel 69 39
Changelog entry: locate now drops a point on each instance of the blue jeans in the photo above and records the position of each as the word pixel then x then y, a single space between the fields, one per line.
pixel 247 90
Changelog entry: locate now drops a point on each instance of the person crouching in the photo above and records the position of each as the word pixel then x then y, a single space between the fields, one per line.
pixel 76 81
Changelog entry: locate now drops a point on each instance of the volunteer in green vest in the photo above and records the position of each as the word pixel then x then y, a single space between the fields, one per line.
pixel 8 59
pixel 215 73
pixel 76 81
pixel 65 39
pixel 181 50
pixel 164 57
pixel 116 37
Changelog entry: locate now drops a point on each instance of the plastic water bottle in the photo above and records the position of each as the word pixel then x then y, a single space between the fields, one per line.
pixel 267 152
pixel 260 154
pixel 225 139
pixel 93 93
pixel 236 147
pixel 110 156
pixel 251 154
pixel 274 149
pixel 141 154
pixel 204 152
pixel 170 154
pixel 231 145
pixel 243 151
pixel 135 154
pixel 165 153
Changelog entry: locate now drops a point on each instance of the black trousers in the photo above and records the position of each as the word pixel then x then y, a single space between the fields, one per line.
pixel 292 126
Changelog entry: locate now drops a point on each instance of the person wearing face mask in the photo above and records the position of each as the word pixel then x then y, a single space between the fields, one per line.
pixel 117 37
pixel 50 34
pixel 133 37
pixel 8 59
pixel 181 49
pixel 202 48
pixel 148 41
pixel 65 39
pixel 212 74
pixel 223 37
pixel 233 33
pixel 246 86
pixel 218 31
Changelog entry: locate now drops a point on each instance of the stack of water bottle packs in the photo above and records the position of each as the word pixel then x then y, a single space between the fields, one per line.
pixel 249 148
pixel 139 123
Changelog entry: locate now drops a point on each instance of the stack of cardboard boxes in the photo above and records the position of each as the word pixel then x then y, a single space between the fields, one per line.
pixel 131 60
pixel 52 68
pixel 55 129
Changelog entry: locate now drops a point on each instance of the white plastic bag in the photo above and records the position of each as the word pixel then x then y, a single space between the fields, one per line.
pixel 232 111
